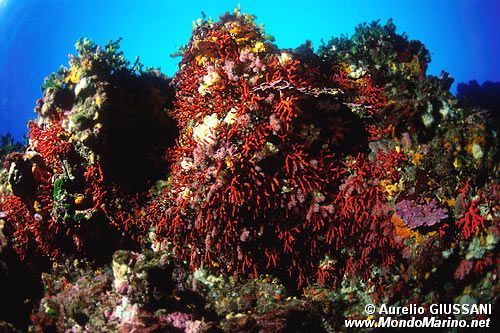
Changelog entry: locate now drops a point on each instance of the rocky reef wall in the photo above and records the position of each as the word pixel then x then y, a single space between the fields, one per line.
pixel 258 190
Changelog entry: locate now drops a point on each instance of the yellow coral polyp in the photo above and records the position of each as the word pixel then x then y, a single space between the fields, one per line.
pixel 74 75
pixel 413 67
pixel 79 199
pixel 200 59
pixel 34 168
pixel 389 188
pixel 241 40
pixel 37 206
pixel 235 29
pixel 229 163
pixel 468 148
pixel 393 67
pixel 259 47
pixel 417 159
pixel 346 67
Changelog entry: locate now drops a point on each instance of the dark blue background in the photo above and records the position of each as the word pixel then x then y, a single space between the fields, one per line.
pixel 36 36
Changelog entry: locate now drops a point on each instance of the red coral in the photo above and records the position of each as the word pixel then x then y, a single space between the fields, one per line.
pixel 33 227
pixel 482 264
pixel 252 187
pixel 120 208
pixel 471 222
pixel 44 222
pixel 51 141
pixel 463 269
pixel 370 96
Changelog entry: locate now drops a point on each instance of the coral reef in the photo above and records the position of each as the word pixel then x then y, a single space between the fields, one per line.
pixel 270 161
pixel 97 145
pixel 258 190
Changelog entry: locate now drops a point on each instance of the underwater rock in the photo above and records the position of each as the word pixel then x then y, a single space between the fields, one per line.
pixel 96 147
pixel 290 319
pixel 280 190
pixel 269 146
pixel 20 178
pixel 138 291
pixel 159 296
pixel 7 328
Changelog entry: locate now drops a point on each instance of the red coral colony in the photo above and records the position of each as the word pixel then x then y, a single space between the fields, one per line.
pixel 339 178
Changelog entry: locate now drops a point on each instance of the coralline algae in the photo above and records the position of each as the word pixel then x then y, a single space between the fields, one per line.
pixel 280 189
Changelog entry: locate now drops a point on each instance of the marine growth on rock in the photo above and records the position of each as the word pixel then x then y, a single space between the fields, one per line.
pixel 258 190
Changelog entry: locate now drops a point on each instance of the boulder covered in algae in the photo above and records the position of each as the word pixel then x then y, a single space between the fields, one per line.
pixel 258 190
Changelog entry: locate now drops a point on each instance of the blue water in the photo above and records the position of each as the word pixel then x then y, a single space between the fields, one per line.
pixel 37 35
